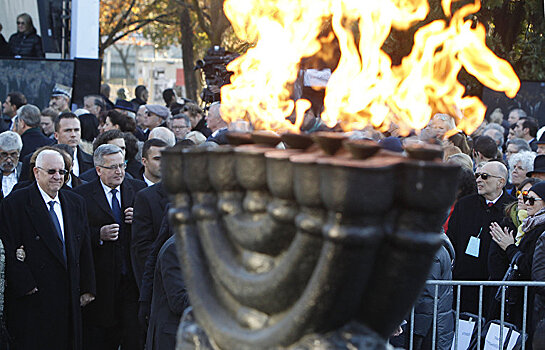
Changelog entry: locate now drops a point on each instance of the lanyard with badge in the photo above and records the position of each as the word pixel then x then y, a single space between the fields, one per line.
pixel 473 244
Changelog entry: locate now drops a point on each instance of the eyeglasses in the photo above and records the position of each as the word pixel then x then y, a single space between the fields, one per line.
pixel 61 172
pixel 524 193
pixel 12 155
pixel 531 200
pixel 115 166
pixel 485 176
pixel 20 23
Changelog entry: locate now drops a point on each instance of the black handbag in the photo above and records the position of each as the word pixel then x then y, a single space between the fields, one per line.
pixel 512 294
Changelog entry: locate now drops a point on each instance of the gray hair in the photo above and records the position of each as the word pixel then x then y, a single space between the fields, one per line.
pixel 494 133
pixel 520 112
pixel 45 152
pixel 10 141
pixel 495 127
pixel 522 144
pixel 525 158
pixel 501 168
pixel 104 150
pixel 447 119
pixel 164 134
pixel 30 114
pixel 461 159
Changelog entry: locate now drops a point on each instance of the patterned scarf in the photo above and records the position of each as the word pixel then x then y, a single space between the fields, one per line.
pixel 534 220
pixel 521 215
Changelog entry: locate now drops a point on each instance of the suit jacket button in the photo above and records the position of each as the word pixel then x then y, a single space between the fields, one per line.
pixel 37 238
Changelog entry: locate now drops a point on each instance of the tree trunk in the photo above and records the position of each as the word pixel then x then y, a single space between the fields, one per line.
pixel 124 60
pixel 188 55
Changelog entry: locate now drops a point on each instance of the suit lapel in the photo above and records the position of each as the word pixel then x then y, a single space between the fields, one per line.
pixel 100 198
pixel 41 221
pixel 127 195
pixel 70 234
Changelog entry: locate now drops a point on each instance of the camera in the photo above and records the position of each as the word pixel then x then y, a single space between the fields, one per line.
pixel 214 66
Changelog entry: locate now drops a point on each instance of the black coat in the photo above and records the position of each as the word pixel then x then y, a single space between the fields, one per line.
pixel 51 317
pixel 149 210
pixel 26 44
pixel 110 257
pixel 527 247
pixel 169 299
pixel 32 140
pixel 470 215
pixel 165 232
pixel 4 47
pixel 538 274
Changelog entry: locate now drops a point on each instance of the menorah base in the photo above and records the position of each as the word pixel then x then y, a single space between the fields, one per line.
pixel 353 335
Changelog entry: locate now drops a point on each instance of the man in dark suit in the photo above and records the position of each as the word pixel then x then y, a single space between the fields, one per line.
pixel 68 132
pixel 111 321
pixel 14 101
pixel 149 210
pixel 151 160
pixel 49 264
pixel 469 231
pixel 169 299
pixel 28 126
pixel 10 167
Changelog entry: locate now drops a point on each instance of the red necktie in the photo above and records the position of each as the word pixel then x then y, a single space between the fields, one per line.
pixel 490 204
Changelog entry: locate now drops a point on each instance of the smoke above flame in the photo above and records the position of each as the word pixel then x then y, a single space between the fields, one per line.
pixel 365 88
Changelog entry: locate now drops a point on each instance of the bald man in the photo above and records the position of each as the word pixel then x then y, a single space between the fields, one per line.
pixel 468 230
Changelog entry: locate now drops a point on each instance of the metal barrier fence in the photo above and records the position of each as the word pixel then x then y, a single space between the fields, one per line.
pixel 481 284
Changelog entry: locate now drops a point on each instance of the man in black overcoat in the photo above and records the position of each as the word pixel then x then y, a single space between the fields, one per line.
pixel 149 210
pixel 112 320
pixel 169 299
pixel 49 264
pixel 468 230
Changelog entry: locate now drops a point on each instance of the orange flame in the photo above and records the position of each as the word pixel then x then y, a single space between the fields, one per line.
pixel 364 88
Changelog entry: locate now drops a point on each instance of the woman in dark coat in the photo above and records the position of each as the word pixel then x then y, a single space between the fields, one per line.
pixel 25 43
pixel 532 227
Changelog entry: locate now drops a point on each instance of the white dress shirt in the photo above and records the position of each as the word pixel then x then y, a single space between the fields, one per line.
pixel 75 163
pixel 8 182
pixel 109 195
pixel 148 181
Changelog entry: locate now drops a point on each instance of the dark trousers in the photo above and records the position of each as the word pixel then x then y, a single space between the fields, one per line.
pixel 127 331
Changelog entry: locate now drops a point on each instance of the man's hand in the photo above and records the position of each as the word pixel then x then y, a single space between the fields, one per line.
pixel 20 254
pixel 86 298
pixel 128 215
pixel 109 232
pixel 32 291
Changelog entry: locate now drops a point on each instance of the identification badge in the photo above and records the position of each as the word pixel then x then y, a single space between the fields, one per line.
pixel 473 246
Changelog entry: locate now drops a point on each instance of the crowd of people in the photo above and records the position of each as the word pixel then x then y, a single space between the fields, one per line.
pixel 495 230
pixel 88 259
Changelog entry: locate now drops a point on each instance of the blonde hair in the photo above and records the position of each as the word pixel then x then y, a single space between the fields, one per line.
pixel 449 150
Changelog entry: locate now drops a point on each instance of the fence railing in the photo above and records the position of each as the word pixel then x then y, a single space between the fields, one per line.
pixel 481 284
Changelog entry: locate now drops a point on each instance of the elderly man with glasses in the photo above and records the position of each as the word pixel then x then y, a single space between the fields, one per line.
pixel 112 320
pixel 10 148
pixel 468 230
pixel 50 273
